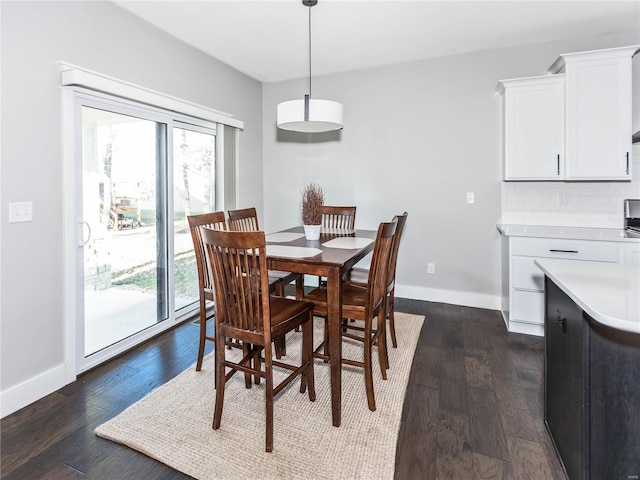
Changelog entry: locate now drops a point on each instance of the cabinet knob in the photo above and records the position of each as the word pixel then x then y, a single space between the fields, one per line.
pixel 561 320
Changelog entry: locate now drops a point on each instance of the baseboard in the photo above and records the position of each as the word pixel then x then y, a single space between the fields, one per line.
pixel 526 328
pixel 19 396
pixel 454 297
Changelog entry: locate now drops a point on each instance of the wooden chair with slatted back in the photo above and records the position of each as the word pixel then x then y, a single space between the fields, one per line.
pixel 243 220
pixel 360 276
pixel 247 313
pixel 338 218
pixel 215 220
pixel 365 303
pixel 246 220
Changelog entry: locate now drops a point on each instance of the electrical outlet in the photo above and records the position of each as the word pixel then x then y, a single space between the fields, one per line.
pixel 562 199
pixel 431 268
pixel 471 197
pixel 20 212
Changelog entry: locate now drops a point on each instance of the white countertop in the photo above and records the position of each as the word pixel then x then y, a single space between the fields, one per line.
pixel 608 292
pixel 573 233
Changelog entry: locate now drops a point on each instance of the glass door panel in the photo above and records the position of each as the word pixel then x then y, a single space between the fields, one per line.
pixel 193 193
pixel 125 271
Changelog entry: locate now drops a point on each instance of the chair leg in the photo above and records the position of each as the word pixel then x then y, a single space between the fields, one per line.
pixel 220 381
pixel 326 337
pixel 280 343
pixel 203 334
pixel 247 376
pixel 368 373
pixel 299 291
pixel 280 347
pixel 257 365
pixel 299 287
pixel 269 400
pixel 308 379
pixel 383 357
pixel 392 324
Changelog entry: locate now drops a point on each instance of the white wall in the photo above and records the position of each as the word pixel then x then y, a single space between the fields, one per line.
pixel 417 137
pixel 99 36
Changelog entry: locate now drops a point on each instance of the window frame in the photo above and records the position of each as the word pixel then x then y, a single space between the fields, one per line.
pixel 74 97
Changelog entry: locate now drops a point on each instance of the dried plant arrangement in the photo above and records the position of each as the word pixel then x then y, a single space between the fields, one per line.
pixel 311 204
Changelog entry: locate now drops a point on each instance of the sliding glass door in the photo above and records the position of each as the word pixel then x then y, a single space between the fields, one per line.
pixel 194 192
pixel 142 174
pixel 125 260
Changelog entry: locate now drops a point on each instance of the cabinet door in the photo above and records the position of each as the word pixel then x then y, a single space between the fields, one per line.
pixel 598 100
pixel 631 255
pixel 534 129
pixel 566 380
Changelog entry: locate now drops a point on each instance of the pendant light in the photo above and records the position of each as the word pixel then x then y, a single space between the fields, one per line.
pixel 309 115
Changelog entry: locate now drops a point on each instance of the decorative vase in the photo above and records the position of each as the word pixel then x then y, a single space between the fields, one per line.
pixel 312 232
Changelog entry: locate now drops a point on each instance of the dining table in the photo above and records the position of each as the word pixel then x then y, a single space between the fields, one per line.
pixel 331 256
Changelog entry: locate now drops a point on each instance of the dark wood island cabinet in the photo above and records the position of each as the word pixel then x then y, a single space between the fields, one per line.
pixel 592 372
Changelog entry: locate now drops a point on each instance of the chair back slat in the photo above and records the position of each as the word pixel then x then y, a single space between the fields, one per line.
pixel 338 217
pixel 213 220
pixel 393 260
pixel 243 220
pixel 237 260
pixel 377 283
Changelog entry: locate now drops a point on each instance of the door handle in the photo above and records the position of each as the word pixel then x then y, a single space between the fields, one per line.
pixel 561 321
pixel 81 241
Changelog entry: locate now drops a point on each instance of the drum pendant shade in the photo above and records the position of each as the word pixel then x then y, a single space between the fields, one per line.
pixel 324 116
pixel 309 115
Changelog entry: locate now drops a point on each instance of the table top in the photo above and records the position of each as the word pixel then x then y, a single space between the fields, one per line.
pixel 335 247
pixel 608 292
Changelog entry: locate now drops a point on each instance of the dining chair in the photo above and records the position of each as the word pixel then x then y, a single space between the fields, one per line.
pixel 339 218
pixel 247 313
pixel 215 220
pixel 360 276
pixel 246 220
pixel 364 303
pixel 336 219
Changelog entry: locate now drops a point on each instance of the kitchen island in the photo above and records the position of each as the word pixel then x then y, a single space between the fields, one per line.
pixel 592 367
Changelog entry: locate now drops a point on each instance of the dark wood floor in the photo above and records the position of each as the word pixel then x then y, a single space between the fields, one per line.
pixel 473 408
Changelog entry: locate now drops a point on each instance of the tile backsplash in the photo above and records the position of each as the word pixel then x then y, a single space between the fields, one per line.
pixel 587 204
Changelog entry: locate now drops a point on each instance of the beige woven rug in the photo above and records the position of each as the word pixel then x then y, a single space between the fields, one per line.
pixel 173 423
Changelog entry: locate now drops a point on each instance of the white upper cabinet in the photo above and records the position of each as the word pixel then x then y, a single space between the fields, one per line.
pixel 533 136
pixel 597 113
pixel 575 124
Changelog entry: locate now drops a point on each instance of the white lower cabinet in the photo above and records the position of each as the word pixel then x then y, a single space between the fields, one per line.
pixel 523 281
pixel 631 255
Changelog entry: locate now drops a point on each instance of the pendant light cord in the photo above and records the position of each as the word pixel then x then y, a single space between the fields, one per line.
pixel 309 51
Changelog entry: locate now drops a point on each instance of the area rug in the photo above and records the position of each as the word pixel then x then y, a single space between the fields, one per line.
pixel 173 423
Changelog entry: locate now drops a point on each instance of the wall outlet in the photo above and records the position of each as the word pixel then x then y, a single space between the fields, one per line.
pixel 20 212
pixel 431 268
pixel 471 197
pixel 562 199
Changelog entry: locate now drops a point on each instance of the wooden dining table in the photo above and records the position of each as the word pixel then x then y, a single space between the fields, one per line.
pixel 334 254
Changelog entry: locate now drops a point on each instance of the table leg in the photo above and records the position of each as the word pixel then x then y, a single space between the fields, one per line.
pixel 334 315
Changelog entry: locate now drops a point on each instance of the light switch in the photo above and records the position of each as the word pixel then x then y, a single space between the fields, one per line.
pixel 470 197
pixel 20 212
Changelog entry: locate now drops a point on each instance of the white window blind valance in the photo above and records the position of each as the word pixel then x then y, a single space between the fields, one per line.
pixel 72 75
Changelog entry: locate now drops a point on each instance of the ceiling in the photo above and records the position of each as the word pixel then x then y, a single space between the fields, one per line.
pixel 268 39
